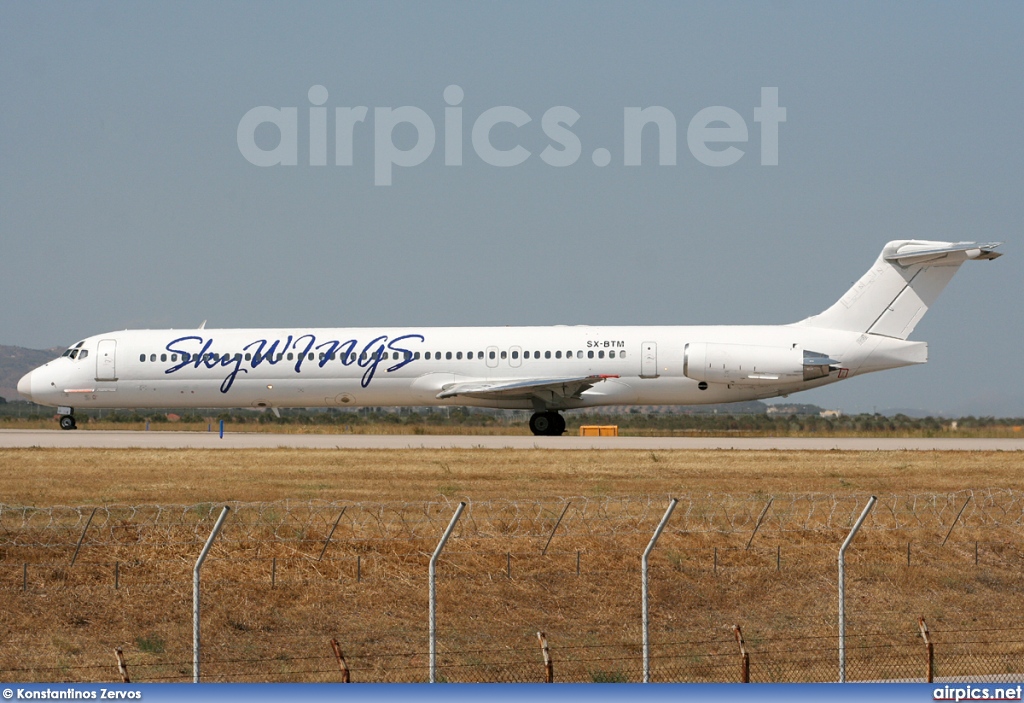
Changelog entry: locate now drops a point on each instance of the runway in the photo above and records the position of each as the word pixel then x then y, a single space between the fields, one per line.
pixel 253 440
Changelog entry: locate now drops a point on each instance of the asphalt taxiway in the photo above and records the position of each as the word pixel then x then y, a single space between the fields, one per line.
pixel 254 440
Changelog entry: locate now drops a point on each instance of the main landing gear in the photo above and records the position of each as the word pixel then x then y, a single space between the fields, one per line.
pixel 67 418
pixel 550 424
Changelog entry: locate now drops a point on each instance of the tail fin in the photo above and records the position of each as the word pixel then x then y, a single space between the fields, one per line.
pixel 899 288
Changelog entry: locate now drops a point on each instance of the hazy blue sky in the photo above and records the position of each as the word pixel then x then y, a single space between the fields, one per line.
pixel 126 200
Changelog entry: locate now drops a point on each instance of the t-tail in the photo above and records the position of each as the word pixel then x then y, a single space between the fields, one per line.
pixel 892 297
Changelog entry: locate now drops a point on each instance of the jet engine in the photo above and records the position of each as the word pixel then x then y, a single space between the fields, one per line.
pixel 752 364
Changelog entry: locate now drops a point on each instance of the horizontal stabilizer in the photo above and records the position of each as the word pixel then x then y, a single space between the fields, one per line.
pixel 920 252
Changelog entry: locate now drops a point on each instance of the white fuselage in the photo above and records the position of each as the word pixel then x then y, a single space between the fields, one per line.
pixel 352 367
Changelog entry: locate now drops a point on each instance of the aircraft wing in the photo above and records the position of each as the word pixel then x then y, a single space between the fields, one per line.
pixel 566 387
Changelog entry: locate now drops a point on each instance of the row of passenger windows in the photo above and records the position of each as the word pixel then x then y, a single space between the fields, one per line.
pixel 436 356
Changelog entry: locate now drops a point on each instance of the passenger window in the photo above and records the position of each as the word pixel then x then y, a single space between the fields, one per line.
pixel 491 354
pixel 590 354
pixel 416 355
pixel 579 354
pixel 152 357
pixel 174 357
pixel 547 355
pixel 290 356
pixel 600 354
pixel 142 357
pixel 611 354
pixel 448 355
pixel 558 354
pixel 536 355
pixel 622 355
pixel 408 355
pixel 280 355
pixel 458 355
pixel 469 355
pixel 515 355
pixel 186 357
pixel 163 357
pixel 504 354
pixel 427 356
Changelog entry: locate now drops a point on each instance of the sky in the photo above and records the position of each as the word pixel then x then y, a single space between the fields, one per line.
pixel 134 190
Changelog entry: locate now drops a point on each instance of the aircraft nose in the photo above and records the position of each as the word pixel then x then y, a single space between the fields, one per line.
pixel 25 386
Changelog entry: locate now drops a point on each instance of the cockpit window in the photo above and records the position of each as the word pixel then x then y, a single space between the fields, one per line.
pixel 73 351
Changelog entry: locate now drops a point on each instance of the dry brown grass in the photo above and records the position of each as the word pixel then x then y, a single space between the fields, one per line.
pixel 100 476
pixel 64 626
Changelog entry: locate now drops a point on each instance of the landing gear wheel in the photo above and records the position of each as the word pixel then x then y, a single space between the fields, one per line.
pixel 549 424
pixel 67 422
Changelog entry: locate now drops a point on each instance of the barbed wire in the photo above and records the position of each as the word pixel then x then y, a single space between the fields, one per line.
pixel 297 522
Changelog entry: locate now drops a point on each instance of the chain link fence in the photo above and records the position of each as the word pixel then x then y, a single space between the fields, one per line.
pixel 285 578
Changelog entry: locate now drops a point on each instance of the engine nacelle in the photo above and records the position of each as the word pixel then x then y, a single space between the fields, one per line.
pixel 753 364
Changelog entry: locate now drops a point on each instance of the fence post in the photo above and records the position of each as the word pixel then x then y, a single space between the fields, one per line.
pixel 328 540
pixel 760 519
pixel 955 520
pixel 552 535
pixel 433 590
pixel 549 669
pixel 930 672
pixel 342 664
pixel 644 590
pixel 195 592
pixel 122 668
pixel 842 588
pixel 744 656
pixel 80 539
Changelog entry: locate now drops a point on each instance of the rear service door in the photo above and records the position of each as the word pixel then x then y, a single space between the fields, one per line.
pixel 649 360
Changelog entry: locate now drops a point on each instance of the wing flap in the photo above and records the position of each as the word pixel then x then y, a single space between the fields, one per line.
pixel 568 387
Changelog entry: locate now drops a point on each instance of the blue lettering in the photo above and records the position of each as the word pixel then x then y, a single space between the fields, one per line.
pixel 302 356
pixel 406 353
pixel 196 351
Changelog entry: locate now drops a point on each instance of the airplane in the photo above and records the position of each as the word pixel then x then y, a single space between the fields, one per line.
pixel 544 369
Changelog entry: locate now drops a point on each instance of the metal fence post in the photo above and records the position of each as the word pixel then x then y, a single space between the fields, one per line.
pixel 643 588
pixel 195 592
pixel 842 588
pixel 433 591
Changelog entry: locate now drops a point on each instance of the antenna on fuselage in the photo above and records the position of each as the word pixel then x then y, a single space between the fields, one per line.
pixel 202 325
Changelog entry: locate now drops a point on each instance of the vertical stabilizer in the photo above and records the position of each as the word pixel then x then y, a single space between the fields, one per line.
pixel 896 292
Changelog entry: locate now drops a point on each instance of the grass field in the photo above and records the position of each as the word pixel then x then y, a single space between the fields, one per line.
pixel 281 582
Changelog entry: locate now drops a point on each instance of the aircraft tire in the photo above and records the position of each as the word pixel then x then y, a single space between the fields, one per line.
pixel 549 424
pixel 67 422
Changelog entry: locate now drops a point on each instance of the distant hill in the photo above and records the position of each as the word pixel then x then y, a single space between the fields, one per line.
pixel 15 362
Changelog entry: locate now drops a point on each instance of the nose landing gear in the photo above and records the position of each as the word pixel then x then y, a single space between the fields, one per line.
pixel 549 424
pixel 67 418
